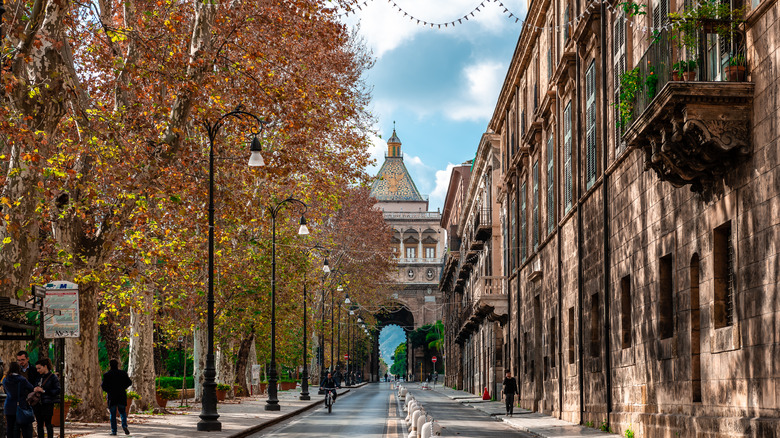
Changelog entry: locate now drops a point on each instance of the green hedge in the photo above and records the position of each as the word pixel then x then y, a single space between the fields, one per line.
pixel 174 382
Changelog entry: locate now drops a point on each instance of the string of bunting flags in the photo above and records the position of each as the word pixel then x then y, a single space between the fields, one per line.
pixel 592 7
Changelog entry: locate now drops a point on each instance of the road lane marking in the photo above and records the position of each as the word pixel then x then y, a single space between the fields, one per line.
pixel 391 427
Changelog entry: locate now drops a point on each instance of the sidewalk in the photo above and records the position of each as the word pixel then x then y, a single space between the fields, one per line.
pixel 537 424
pixel 239 417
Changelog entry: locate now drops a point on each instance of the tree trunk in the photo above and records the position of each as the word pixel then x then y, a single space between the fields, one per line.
pixel 141 368
pixel 242 360
pixel 199 350
pixel 82 369
pixel 224 362
pixel 109 332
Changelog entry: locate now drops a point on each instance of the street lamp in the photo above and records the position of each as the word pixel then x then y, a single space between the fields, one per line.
pixel 272 404
pixel 208 414
pixel 305 376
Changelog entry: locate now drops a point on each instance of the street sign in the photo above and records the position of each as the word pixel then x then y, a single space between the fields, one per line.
pixel 62 296
pixel 346 356
pixel 433 359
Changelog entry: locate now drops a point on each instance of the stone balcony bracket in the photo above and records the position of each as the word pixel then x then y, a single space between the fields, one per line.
pixel 694 133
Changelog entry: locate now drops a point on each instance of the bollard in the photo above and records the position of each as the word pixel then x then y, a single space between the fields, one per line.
pixel 420 423
pixel 425 432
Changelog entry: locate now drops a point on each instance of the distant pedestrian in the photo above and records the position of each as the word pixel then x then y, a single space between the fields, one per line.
pixel 115 384
pixel 49 389
pixel 28 371
pixel 510 389
pixel 435 378
pixel 16 388
pixel 385 377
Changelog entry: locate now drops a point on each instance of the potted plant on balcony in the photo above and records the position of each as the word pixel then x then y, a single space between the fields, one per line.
pixel 736 68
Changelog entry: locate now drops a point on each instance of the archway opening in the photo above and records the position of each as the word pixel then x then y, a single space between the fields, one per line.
pixel 392 351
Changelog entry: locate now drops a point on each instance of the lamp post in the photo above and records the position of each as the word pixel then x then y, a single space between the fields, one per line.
pixel 272 404
pixel 208 415
pixel 349 339
pixel 305 376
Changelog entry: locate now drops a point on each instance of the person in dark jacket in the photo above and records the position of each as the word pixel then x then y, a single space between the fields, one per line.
pixel 49 388
pixel 115 384
pixel 330 384
pixel 16 389
pixel 28 371
pixel 510 389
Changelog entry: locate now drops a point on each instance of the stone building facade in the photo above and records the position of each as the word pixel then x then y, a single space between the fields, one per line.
pixel 419 244
pixel 641 246
pixel 472 281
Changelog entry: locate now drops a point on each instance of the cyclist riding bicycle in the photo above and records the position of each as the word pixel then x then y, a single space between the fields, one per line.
pixel 330 384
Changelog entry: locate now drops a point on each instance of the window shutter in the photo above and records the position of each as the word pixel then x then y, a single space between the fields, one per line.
pixel 619 67
pixel 523 233
pixel 550 183
pixel 535 223
pixel 567 182
pixel 590 124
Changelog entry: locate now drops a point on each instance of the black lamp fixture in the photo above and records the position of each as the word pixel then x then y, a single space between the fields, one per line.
pixel 272 404
pixel 208 416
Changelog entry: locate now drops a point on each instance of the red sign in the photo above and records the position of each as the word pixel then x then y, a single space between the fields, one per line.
pixel 433 359
pixel 346 356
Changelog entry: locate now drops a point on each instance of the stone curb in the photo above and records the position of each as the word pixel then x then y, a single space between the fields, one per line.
pixel 246 432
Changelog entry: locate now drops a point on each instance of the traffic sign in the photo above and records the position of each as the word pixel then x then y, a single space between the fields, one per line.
pixel 346 356
pixel 433 359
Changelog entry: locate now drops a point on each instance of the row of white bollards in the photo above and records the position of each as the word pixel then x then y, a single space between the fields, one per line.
pixel 419 423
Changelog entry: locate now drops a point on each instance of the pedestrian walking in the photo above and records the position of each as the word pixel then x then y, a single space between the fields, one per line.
pixel 16 388
pixel 29 372
pixel 510 389
pixel 49 390
pixel 115 384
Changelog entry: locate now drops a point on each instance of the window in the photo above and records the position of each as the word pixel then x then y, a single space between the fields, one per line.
pixel 625 311
pixel 723 261
pixel 695 331
pixel 571 334
pixel 535 220
pixel 513 233
pixel 550 184
pixel 567 175
pixel 590 125
pixel 553 340
pixel 506 244
pixel 619 67
pixel 411 252
pixel 523 232
pixel 566 24
pixel 430 252
pixel 660 13
pixel 522 123
pixel 665 297
pixel 525 352
pixel 595 326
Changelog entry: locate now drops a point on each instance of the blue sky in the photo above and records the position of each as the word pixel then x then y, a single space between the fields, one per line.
pixel 440 86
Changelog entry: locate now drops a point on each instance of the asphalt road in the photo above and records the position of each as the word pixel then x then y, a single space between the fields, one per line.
pixel 373 412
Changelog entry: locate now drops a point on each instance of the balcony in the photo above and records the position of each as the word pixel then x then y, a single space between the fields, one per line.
pixel 483 224
pixel 489 301
pixel 692 131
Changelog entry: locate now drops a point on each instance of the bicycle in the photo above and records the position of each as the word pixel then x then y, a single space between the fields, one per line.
pixel 329 398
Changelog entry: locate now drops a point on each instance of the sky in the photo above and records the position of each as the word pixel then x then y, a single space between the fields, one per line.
pixel 439 86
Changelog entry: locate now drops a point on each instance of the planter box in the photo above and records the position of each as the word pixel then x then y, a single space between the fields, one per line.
pixel 286 386
pixel 736 73
pixel 221 394
pixel 163 402
pixel 263 387
pixel 55 419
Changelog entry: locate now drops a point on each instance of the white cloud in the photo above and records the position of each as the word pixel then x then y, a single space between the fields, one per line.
pixel 377 151
pixel 440 190
pixel 482 85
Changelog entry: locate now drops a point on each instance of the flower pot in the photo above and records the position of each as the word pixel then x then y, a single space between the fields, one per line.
pixel 736 73
pixel 238 391
pixel 690 75
pixel 161 401
pixel 127 406
pixel 263 387
pixel 55 419
pixel 676 76
pixel 288 385
pixel 221 394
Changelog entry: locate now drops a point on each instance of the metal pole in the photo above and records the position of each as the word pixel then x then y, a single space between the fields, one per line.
pixel 332 331
pixel 338 336
pixel 272 404
pixel 322 332
pixel 208 415
pixel 305 377
pixel 349 356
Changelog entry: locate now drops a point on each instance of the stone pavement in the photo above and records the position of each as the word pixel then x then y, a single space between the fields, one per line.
pixel 534 423
pixel 239 417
